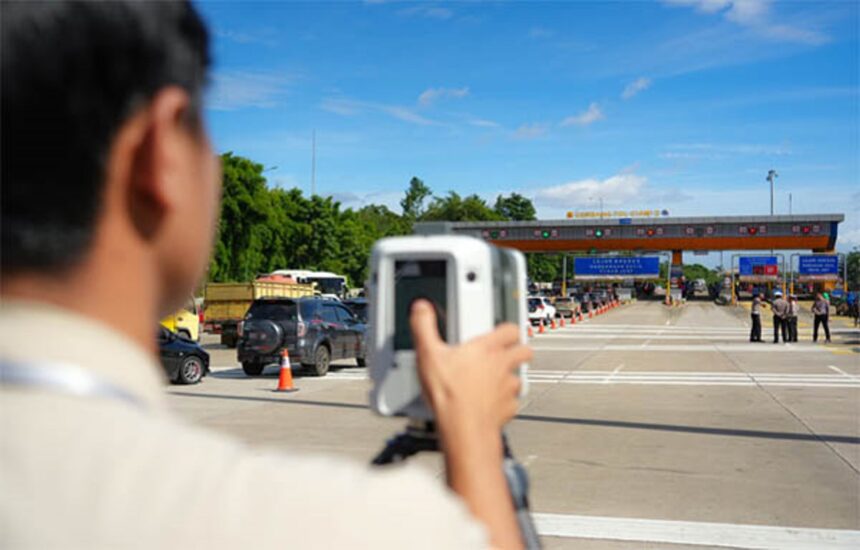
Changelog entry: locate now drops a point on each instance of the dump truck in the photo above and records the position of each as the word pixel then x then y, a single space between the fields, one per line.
pixel 225 304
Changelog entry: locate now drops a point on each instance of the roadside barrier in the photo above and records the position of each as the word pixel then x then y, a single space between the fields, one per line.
pixel 285 379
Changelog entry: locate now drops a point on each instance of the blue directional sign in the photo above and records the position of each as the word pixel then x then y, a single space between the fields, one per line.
pixel 756 266
pixel 818 267
pixel 632 267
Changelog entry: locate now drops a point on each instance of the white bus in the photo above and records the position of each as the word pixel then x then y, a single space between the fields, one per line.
pixel 328 284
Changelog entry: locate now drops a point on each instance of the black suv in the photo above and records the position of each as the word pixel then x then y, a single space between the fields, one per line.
pixel 314 330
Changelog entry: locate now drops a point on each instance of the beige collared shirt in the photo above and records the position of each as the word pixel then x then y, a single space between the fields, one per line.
pixel 99 472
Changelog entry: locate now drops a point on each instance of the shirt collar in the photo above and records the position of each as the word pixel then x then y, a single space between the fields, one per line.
pixel 35 332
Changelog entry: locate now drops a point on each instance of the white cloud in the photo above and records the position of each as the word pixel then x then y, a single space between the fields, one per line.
pixel 756 15
pixel 615 190
pixel 531 131
pixel 232 90
pixel 430 95
pixel 428 12
pixel 850 238
pixel 406 115
pixel 714 151
pixel 343 107
pixel 352 107
pixel 589 116
pixel 638 85
pixel 483 123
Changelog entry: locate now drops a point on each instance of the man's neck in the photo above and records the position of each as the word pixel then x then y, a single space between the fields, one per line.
pixel 123 301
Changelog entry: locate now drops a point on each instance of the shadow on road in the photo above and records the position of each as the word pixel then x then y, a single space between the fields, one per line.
pixel 702 430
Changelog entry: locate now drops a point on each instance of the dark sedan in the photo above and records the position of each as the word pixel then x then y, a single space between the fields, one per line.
pixel 184 361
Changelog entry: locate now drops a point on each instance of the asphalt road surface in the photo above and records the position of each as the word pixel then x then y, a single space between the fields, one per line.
pixel 645 427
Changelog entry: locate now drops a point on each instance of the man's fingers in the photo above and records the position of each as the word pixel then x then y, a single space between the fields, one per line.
pixel 517 355
pixel 503 336
pixel 422 320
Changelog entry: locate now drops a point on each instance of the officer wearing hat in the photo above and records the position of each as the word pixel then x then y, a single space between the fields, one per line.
pixel 780 309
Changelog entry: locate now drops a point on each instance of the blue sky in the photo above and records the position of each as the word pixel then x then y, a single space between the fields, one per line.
pixel 682 104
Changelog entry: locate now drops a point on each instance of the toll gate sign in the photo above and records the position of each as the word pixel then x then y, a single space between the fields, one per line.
pixel 818 268
pixel 758 269
pixel 632 267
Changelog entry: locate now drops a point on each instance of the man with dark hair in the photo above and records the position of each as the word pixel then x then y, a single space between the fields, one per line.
pixel 110 194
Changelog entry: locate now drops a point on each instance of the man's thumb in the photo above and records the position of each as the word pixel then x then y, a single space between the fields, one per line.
pixel 422 320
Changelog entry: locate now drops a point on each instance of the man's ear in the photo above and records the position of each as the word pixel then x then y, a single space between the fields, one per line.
pixel 160 130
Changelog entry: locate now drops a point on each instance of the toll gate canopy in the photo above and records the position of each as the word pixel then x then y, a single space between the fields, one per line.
pixel 815 232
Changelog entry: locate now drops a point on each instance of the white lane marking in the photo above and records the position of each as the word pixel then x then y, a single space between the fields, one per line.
pixel 740 348
pixel 698 383
pixel 670 379
pixel 649 337
pixel 732 535
pixel 612 374
pixel 842 372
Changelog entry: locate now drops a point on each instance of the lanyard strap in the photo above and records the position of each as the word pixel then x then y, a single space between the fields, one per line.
pixel 64 379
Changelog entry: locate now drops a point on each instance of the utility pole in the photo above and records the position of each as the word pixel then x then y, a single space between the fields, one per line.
pixel 564 275
pixel 314 163
pixel 771 175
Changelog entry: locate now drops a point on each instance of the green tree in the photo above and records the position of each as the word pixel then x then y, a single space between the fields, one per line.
pixel 243 208
pixel 413 201
pixel 853 266
pixel 515 207
pixel 454 208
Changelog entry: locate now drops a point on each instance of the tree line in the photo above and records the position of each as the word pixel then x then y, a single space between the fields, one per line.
pixel 264 228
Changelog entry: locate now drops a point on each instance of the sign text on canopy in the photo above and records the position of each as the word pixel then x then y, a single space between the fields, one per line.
pixel 818 268
pixel 758 268
pixel 632 267
pixel 652 213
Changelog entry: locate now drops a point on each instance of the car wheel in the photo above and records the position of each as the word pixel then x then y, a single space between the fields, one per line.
pixel 191 370
pixel 361 361
pixel 252 369
pixel 322 359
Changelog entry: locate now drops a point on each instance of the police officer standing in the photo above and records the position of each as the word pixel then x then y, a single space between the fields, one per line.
pixel 821 312
pixel 780 317
pixel 793 310
pixel 755 318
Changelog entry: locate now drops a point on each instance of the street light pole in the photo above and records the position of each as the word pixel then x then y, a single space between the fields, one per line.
pixel 771 175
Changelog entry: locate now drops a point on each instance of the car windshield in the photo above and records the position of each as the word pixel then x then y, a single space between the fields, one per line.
pixel 276 311
pixel 328 285
pixel 359 309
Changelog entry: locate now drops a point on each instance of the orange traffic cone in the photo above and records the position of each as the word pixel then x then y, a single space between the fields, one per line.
pixel 541 328
pixel 573 319
pixel 552 324
pixel 590 313
pixel 531 331
pixel 285 379
pixel 561 322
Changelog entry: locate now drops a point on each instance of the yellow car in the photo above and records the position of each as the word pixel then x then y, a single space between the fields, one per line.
pixel 185 322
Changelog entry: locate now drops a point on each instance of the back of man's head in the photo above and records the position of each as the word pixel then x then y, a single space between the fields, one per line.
pixel 72 73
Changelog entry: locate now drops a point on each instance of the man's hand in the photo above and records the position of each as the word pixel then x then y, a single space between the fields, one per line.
pixel 472 389
pixel 476 380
